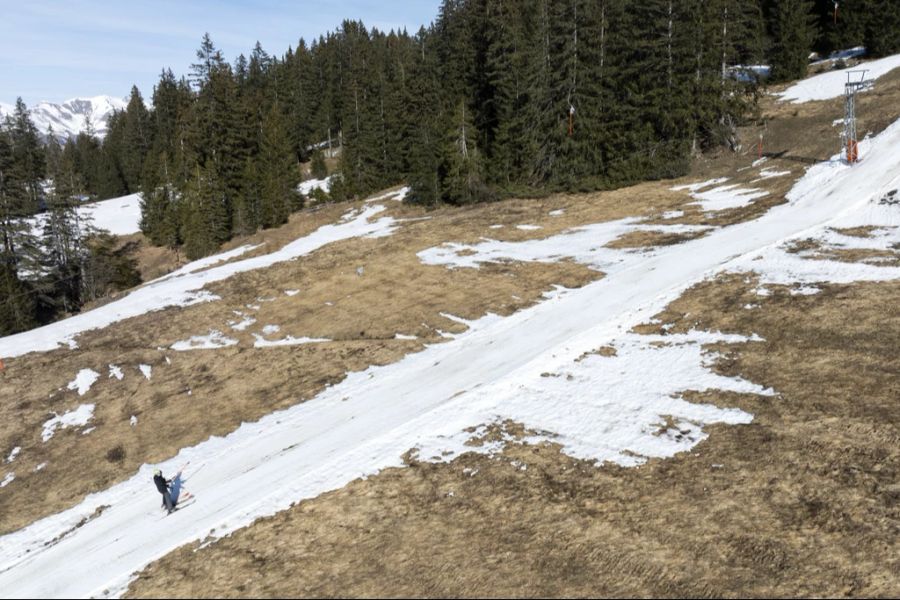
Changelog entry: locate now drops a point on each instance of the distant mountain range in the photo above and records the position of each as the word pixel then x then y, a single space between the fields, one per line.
pixel 71 117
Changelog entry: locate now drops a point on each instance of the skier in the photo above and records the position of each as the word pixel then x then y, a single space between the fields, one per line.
pixel 162 484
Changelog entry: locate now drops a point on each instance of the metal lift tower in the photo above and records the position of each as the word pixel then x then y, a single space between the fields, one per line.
pixel 856 80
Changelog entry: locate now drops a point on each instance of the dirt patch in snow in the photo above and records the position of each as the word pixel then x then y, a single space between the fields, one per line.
pixel 644 239
pixel 801 502
pixel 814 249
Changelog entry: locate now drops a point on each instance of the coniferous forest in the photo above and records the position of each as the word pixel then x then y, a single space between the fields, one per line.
pixel 495 98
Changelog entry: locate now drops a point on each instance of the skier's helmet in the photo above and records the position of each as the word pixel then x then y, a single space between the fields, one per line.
pixel 157 472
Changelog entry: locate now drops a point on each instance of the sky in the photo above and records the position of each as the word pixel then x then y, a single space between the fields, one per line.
pixel 57 50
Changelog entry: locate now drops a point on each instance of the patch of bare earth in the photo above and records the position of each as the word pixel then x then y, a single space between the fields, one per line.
pixel 814 249
pixel 801 502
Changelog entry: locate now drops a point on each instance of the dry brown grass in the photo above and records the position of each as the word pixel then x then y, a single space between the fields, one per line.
pixel 814 249
pixel 802 502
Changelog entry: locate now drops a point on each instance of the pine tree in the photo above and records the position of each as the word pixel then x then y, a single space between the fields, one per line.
pixel 793 37
pixel 425 125
pixel 463 166
pixel 300 75
pixel 28 155
pixel 882 31
pixel 63 238
pixel 137 136
pixel 204 212
pixel 248 205
pixel 278 172
pixel 17 311
pixel 318 168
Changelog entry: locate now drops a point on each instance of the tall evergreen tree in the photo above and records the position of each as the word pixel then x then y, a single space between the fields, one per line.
pixel 17 311
pixel 63 238
pixel 137 137
pixel 204 212
pixel 28 154
pixel 278 174
pixel 793 37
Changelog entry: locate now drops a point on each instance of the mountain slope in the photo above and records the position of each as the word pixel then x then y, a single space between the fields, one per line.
pixel 607 371
pixel 71 117
pixel 338 436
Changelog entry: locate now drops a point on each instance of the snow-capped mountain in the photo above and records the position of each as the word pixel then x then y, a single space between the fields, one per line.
pixel 71 117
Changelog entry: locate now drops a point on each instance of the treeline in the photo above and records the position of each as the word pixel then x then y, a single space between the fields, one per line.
pixel 495 97
pixel 53 263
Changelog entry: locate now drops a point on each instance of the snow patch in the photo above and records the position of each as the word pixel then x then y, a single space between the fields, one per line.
pixel 13 454
pixel 215 339
pixel 116 371
pixel 307 187
pixel 147 371
pixel 397 196
pixel 83 381
pixel 288 341
pixel 74 418
pixel 210 261
pixel 693 187
pixel 585 245
pixel 118 216
pixel 243 324
pixel 726 197
pixel 769 174
pixel 601 408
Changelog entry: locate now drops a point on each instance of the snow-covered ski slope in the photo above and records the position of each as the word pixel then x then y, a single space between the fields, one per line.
pixel 365 423
pixel 831 84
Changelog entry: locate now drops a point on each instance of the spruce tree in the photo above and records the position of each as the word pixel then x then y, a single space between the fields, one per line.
pixel 203 212
pixel 462 162
pixel 63 238
pixel 318 168
pixel 28 155
pixel 248 205
pixel 17 310
pixel 278 172
pixel 793 37
pixel 882 31
pixel 426 124
pixel 137 136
